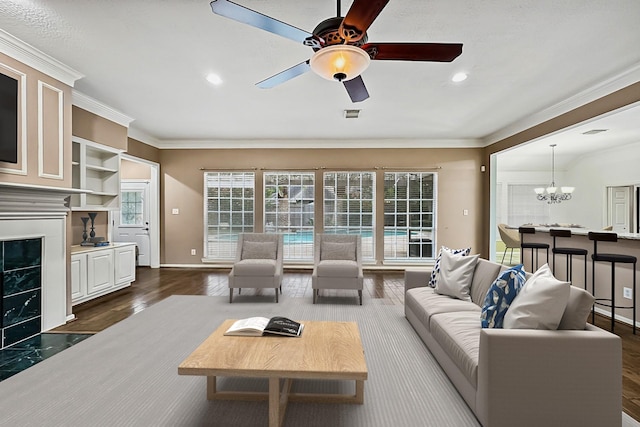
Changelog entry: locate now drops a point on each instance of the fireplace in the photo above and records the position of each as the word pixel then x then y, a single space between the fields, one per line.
pixel 21 285
pixel 34 259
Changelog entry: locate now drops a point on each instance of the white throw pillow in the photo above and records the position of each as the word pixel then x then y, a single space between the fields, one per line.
pixel 338 251
pixel 456 274
pixel 540 303
pixel 578 309
pixel 259 250
pixel 433 279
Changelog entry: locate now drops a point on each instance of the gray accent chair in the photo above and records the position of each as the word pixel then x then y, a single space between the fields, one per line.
pixel 258 263
pixel 337 263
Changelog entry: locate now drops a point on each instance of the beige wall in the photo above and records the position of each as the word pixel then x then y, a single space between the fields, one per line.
pixel 48 109
pixel 134 170
pixel 100 226
pixel 98 129
pixel 182 183
pixel 143 151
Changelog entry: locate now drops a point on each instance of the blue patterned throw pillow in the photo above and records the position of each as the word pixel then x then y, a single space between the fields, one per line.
pixel 500 296
pixel 436 267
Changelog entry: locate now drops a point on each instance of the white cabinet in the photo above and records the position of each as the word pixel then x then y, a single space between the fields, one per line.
pixel 125 259
pixel 95 167
pixel 99 271
pixel 78 276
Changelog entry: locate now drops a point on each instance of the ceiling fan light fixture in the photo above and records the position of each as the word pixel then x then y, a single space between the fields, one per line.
pixel 340 62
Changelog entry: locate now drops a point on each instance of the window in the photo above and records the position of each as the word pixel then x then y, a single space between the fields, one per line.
pixel 349 206
pixel 229 211
pixel 524 207
pixel 409 215
pixel 289 209
pixel 132 205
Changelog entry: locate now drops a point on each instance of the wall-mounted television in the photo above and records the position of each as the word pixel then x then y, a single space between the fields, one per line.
pixel 8 119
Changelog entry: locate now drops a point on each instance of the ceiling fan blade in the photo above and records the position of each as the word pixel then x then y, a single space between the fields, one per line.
pixel 436 52
pixel 356 89
pixel 285 75
pixel 359 18
pixel 255 19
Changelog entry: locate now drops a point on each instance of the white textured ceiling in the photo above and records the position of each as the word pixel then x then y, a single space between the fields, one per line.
pixel 148 59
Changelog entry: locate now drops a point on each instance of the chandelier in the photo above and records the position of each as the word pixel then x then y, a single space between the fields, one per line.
pixel 551 194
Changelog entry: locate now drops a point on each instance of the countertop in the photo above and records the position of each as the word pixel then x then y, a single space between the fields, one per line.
pixel 585 231
pixel 77 249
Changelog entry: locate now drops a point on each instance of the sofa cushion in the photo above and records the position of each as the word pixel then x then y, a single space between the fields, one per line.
pixel 540 303
pixel 459 336
pixel 337 268
pixel 424 302
pixel 483 277
pixel 436 266
pixel 577 310
pixel 500 296
pixel 456 273
pixel 255 267
pixel 259 250
pixel 338 250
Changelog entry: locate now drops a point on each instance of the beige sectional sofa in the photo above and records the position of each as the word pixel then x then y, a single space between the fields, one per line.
pixel 517 377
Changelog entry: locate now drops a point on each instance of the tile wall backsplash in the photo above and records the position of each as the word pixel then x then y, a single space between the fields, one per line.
pixel 21 284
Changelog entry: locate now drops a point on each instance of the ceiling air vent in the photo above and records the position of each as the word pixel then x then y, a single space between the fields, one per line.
pixel 594 131
pixel 351 114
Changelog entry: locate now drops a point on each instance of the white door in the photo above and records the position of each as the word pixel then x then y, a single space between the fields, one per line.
pixel 131 223
pixel 619 208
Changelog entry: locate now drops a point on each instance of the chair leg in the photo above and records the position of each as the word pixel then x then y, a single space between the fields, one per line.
pixel 511 257
pixel 276 294
pixel 315 296
pixel 503 255
pixel 230 295
pixel 239 291
pixel 360 295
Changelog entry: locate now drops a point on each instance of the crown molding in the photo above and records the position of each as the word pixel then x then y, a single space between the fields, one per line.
pixel 604 88
pixel 34 58
pixel 144 137
pixel 319 143
pixel 94 106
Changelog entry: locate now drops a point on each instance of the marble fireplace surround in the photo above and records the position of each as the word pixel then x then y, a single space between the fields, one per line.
pixel 33 211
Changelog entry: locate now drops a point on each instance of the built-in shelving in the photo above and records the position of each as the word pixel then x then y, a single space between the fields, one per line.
pixel 95 168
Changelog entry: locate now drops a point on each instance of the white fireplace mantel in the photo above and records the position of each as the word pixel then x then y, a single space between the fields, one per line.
pixel 37 211
pixel 26 200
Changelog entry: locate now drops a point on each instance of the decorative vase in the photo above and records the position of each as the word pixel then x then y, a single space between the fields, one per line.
pixel 84 219
pixel 92 216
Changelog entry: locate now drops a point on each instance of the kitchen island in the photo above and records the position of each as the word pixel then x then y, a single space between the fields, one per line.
pixel 628 244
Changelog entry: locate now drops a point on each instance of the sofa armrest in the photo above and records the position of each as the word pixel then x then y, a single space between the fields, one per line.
pixel 538 377
pixel 416 278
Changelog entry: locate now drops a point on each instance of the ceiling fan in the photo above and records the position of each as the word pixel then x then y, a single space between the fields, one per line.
pixel 342 50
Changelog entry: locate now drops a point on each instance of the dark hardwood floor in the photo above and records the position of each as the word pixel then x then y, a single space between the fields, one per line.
pixel 153 285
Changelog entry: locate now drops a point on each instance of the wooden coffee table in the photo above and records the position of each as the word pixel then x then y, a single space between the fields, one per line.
pixel 325 350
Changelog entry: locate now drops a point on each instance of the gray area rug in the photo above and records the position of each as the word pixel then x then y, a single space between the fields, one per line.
pixel 127 374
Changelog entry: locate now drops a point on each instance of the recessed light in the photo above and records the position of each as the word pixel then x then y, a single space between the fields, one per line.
pixel 214 79
pixel 459 77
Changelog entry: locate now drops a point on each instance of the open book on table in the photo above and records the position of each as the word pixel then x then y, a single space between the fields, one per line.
pixel 258 326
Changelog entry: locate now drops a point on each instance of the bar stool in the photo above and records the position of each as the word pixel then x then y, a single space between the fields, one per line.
pixel 613 259
pixel 532 246
pixel 569 253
